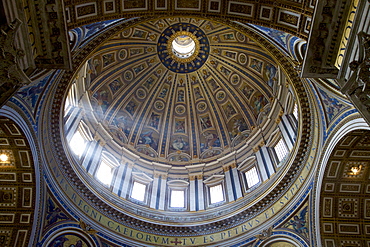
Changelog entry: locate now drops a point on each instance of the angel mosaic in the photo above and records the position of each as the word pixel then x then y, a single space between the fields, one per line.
pixel 270 74
pixel 256 65
pixel 135 51
pixel 123 123
pixel 247 91
pixel 139 68
pixel 163 93
pixel 229 110
pixel 258 102
pixel 54 213
pixel 180 144
pixel 230 54
pixel 154 120
pixel 118 135
pixel 213 84
pixel 238 125
pixel 197 93
pixel 102 95
pixel 299 222
pixel 149 82
pixel 205 122
pixel 148 139
pixel 115 85
pixel 229 36
pixel 181 96
pixel 225 71
pixel 131 107
pixel 139 34
pixel 179 126
pixel 209 140
pixel 108 59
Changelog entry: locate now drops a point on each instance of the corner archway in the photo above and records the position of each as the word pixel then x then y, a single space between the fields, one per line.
pixel 344 209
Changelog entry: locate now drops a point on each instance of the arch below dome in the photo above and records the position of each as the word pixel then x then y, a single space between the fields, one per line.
pixel 330 223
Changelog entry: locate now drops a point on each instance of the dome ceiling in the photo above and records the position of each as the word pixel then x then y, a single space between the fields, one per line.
pixel 181 135
pixel 181 90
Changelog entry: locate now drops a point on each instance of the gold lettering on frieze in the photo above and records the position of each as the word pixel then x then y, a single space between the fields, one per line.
pixel 346 34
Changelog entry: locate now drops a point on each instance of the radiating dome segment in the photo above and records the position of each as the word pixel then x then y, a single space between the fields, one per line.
pixel 162 95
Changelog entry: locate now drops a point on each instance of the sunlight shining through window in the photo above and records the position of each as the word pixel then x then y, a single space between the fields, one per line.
pixel 252 177
pixel 216 193
pixel 105 173
pixel 77 144
pixel 138 191
pixel 281 150
pixel 177 199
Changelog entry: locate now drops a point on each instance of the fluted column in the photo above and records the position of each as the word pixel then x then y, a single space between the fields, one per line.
pixel 162 192
pixel 155 192
pixel 235 181
pixel 193 193
pixel 126 179
pixel 265 163
pixel 288 131
pixel 233 189
pixel 118 178
pixel 92 156
pixel 229 187
pixel 158 197
pixel 200 190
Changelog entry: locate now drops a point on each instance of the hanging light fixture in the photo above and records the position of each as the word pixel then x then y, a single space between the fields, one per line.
pixel 4 158
pixel 355 170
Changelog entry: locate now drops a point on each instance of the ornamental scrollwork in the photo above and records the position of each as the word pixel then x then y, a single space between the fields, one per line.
pixel 10 72
pixel 360 78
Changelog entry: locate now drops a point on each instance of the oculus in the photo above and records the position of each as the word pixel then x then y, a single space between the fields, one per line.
pixel 183 48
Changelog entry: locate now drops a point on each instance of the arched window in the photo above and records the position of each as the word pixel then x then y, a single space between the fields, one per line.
pixel 177 198
pixel 281 149
pixel 78 143
pixel 140 186
pixel 215 189
pixel 105 172
pixel 216 194
pixel 106 168
pixel 249 168
pixel 252 177
pixel 80 139
pixel 178 193
pixel 138 191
